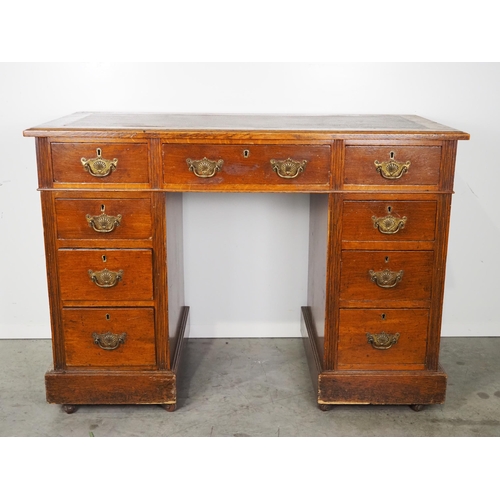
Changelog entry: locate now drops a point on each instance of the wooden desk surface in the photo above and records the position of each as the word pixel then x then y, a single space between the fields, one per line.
pixel 151 123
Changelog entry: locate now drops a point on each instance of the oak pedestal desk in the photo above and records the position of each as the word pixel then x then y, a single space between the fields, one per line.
pixel 380 194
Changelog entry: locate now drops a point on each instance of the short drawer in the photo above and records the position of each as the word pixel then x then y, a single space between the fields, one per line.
pixel 103 218
pixel 218 166
pixel 382 339
pixel 392 165
pixel 386 276
pixel 109 337
pixel 389 220
pixel 105 275
pixel 100 163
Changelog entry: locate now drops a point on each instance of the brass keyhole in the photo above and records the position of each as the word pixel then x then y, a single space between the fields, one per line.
pixel 383 316
pixel 387 259
pixel 103 208
pixel 389 209
pixel 392 155
pixel 107 317
pixel 104 258
pixel 246 153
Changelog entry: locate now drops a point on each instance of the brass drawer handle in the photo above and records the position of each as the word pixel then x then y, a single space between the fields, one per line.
pixel 386 278
pixel 109 341
pixel 392 169
pixel 103 223
pixel 99 166
pixel 389 224
pixel 382 340
pixel 105 278
pixel 288 169
pixel 204 167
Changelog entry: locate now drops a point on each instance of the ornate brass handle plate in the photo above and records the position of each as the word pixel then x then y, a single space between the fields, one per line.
pixel 389 224
pixel 103 223
pixel 288 169
pixel 204 167
pixel 386 278
pixel 105 278
pixel 392 169
pixel 382 340
pixel 109 341
pixel 99 166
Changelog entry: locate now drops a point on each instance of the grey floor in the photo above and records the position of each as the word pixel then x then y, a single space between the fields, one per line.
pixel 253 387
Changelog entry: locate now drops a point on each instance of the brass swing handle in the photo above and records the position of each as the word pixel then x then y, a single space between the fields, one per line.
pixel 103 223
pixel 204 168
pixel 382 341
pixel 99 166
pixel 109 341
pixel 392 169
pixel 288 169
pixel 105 278
pixel 386 278
pixel 389 224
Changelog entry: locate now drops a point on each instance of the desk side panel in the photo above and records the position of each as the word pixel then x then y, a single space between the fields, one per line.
pixel 175 272
pixel 318 249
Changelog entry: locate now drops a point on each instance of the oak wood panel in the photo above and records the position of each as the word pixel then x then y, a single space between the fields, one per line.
pixel 44 165
pixel 415 285
pixel 382 387
pixel 52 270
pixel 138 349
pixel 111 387
pixel 132 166
pixel 76 284
pixel 359 166
pixel 160 281
pixel 237 169
pixel 358 224
pixel 438 280
pixel 135 220
pixel 175 272
pixel 318 259
pixel 309 335
pixel 355 353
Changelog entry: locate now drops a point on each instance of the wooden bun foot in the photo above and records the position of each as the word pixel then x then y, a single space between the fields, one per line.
pixel 170 408
pixel 69 408
pixel 417 407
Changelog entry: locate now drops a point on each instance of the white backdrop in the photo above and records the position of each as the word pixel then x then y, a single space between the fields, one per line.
pixel 246 259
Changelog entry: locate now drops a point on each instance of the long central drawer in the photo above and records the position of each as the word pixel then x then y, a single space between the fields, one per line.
pixel 218 165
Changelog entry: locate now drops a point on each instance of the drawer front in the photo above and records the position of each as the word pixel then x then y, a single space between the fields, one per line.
pixel 127 276
pixel 109 337
pixel 382 339
pixel 246 164
pixel 386 276
pixel 389 220
pixel 392 165
pixel 103 218
pixel 132 164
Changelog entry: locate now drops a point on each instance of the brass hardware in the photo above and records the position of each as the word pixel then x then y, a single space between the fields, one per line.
pixel 99 166
pixel 288 169
pixel 246 153
pixel 204 167
pixel 386 278
pixel 109 341
pixel 103 223
pixel 392 169
pixel 389 224
pixel 105 278
pixel 382 340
